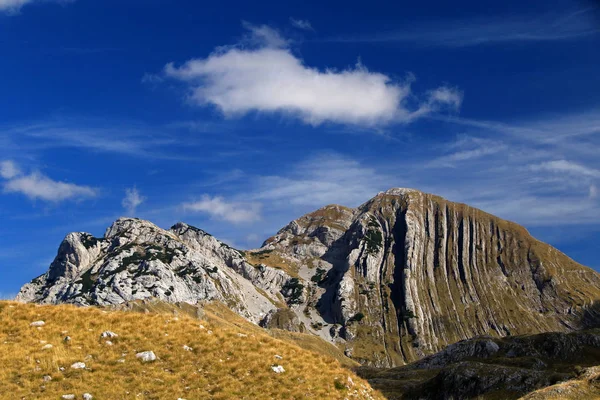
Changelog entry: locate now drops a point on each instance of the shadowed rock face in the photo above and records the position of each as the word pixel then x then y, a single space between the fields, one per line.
pixel 396 279
pixel 495 368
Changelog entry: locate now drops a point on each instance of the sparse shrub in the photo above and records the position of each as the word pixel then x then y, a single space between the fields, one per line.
pixel 374 239
pixel 339 385
pixel 407 314
pixel 293 289
pixel 357 317
pixel 316 326
pixel 319 276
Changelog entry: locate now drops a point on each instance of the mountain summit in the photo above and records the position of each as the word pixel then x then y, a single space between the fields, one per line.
pixel 396 279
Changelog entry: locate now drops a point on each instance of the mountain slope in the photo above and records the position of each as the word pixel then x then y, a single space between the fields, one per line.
pixel 195 359
pixel 408 273
pixel 394 280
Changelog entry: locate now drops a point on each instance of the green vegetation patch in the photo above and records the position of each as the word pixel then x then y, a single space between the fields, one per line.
pixel 294 289
pixel 319 276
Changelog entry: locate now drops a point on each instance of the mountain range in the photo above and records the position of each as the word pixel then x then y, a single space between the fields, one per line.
pixel 390 282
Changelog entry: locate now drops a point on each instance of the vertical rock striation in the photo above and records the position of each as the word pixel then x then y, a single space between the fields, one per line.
pixel 408 273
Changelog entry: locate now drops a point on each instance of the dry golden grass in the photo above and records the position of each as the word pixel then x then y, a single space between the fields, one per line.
pixel 226 362
pixel 273 259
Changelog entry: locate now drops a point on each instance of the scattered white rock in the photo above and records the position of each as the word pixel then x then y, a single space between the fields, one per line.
pixel 67 339
pixel 47 347
pixel 47 378
pixel 78 365
pixel 146 356
pixel 242 335
pixel 187 348
pixel 61 369
pixel 43 342
pixel 37 324
pixel 68 397
pixel 202 326
pixel 87 396
pixel 278 369
pixel 277 356
pixel 108 343
pixel 108 334
pixel 209 332
pixel 121 360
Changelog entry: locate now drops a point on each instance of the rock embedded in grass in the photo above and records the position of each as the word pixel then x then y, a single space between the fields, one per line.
pixel 278 369
pixel 37 324
pixel 78 365
pixel 108 334
pixel 146 356
pixel 87 396
pixel 68 397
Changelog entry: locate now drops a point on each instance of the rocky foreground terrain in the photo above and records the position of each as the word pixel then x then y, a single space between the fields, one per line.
pixel 390 282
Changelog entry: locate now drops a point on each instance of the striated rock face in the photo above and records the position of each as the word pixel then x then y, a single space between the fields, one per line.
pixel 137 260
pixel 408 273
pixel 392 281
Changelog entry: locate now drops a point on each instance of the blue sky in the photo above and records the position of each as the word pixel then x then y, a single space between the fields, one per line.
pixel 238 117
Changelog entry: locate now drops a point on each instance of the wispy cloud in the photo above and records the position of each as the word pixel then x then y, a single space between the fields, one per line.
pixel 38 186
pixel 13 7
pixel 482 31
pixel 263 75
pixel 301 24
pixel 132 200
pixel 566 167
pixel 221 209
pixel 117 137
pixel 323 179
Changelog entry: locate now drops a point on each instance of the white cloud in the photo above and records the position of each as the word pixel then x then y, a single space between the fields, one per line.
pixel 132 200
pixel 566 167
pixel 269 78
pixel 38 186
pixel 9 170
pixel 13 7
pixel 219 208
pixel 301 24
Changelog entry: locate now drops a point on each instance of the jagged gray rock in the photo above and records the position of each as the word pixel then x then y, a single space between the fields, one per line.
pixel 137 260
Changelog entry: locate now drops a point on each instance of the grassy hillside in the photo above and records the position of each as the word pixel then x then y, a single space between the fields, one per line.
pixel 223 361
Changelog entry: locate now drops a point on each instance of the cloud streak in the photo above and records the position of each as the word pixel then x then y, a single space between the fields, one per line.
pixel 269 78
pixel 13 7
pixel 487 31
